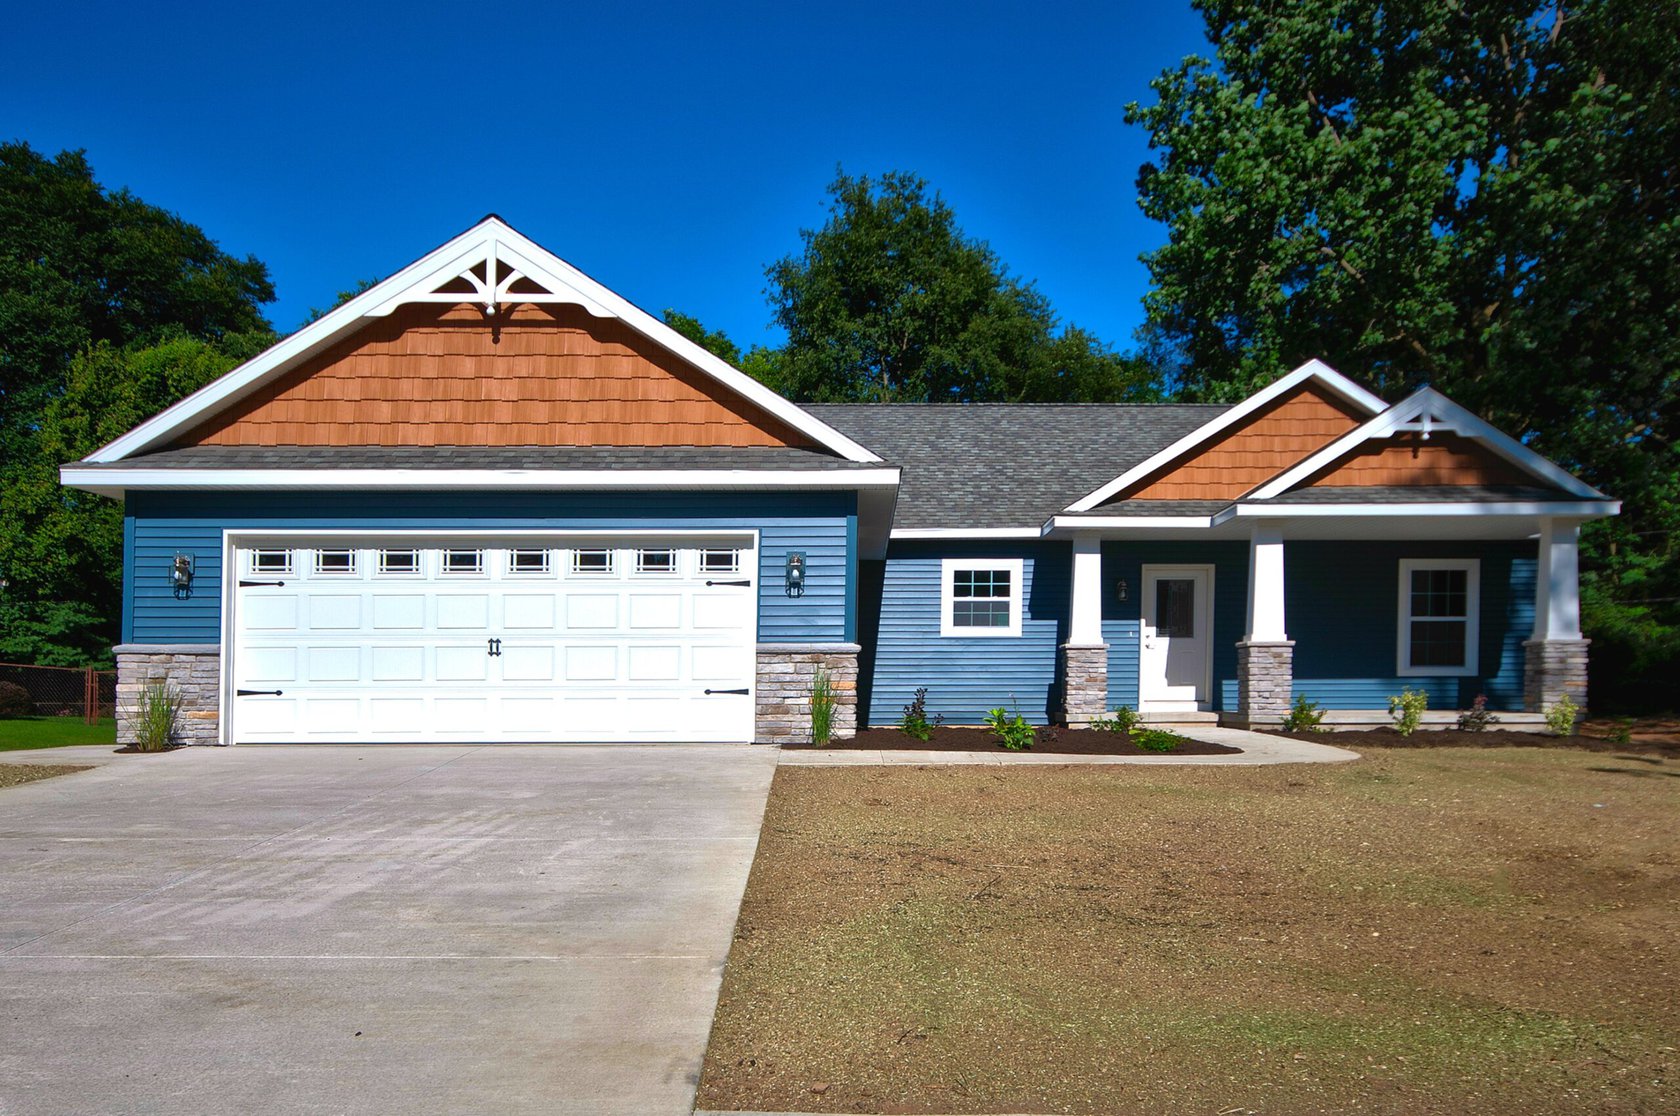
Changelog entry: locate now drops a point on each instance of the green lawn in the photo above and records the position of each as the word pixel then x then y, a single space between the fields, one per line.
pixel 19 733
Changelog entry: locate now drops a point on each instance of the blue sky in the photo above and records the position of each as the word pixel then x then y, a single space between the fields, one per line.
pixel 669 150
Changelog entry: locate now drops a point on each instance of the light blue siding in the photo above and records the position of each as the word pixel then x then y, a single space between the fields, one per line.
pixel 965 677
pixel 1123 620
pixel 1342 610
pixel 823 524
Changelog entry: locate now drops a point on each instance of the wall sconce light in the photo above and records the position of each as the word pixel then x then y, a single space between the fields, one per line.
pixel 181 575
pixel 794 576
pixel 1122 590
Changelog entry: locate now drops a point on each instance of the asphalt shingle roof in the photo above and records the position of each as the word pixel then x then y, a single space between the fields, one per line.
pixel 1421 494
pixel 1007 464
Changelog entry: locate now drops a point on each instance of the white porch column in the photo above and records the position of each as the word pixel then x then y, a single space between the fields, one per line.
pixel 1085 655
pixel 1555 659
pixel 1265 655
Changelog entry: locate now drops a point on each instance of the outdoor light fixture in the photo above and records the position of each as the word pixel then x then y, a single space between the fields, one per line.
pixel 181 575
pixel 795 574
pixel 1122 590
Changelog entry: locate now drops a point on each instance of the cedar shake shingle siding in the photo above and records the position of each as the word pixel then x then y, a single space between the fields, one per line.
pixel 433 375
pixel 1446 459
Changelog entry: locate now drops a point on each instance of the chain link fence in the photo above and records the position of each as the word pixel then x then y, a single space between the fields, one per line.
pixel 65 691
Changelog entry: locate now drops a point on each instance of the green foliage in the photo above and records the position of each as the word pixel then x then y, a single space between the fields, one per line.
pixel 1304 716
pixel 14 700
pixel 1561 716
pixel 1011 730
pixel 1156 740
pixel 914 721
pixel 1477 718
pixel 890 302
pixel 822 707
pixel 1407 710
pixel 1479 197
pixel 157 715
pixel 1124 719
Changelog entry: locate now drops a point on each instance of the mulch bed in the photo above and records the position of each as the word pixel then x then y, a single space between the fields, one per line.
pixel 1058 741
pixel 1652 745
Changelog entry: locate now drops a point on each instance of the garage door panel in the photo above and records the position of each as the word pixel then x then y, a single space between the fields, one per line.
pixel 594 650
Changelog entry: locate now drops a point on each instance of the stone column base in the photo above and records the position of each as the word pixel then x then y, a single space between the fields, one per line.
pixel 1084 683
pixel 1265 679
pixel 786 672
pixel 192 670
pixel 1553 668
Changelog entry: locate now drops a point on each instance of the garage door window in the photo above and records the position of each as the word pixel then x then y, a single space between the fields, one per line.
pixel 528 563
pixel 461 563
pixel 656 561
pixel 720 561
pixel 335 563
pixel 399 563
pixel 271 561
pixel 592 561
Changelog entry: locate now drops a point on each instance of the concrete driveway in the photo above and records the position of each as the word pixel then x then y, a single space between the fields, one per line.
pixel 371 930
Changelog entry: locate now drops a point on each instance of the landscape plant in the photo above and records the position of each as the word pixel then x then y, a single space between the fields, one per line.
pixel 914 721
pixel 1012 730
pixel 1407 710
pixel 14 700
pixel 822 708
pixel 1123 719
pixel 1304 716
pixel 156 717
pixel 1477 718
pixel 1561 716
pixel 1156 740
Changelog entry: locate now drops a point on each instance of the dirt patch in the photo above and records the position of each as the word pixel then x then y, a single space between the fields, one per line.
pixel 15 774
pixel 1646 744
pixel 1426 931
pixel 1059 741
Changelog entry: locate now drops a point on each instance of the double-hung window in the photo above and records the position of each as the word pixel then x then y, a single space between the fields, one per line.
pixel 981 597
pixel 1439 604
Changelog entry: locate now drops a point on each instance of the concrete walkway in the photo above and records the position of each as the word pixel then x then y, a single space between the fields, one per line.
pixel 370 929
pixel 1257 748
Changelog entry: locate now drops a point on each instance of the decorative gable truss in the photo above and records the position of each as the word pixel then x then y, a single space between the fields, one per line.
pixel 496 268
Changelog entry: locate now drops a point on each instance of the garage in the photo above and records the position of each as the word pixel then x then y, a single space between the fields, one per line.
pixel 511 639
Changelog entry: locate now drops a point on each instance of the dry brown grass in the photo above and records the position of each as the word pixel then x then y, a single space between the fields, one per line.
pixel 1437 931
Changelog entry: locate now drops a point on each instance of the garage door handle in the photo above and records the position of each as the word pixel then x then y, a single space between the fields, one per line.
pixel 248 584
pixel 742 690
pixel 256 693
pixel 743 584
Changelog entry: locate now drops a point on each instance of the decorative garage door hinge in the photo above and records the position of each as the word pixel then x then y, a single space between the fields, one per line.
pixel 243 584
pixel 256 693
pixel 742 690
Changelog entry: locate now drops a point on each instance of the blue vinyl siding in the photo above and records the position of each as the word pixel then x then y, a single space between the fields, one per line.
pixel 1342 610
pixel 966 677
pixel 1123 620
pixel 159 524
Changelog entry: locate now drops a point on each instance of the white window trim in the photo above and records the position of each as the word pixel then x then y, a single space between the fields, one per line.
pixel 1472 621
pixel 947 596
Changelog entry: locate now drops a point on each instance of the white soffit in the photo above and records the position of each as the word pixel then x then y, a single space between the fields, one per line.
pixel 507 258
pixel 1314 370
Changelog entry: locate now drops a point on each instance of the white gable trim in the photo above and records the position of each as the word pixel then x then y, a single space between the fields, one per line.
pixel 1427 410
pixel 489 240
pixel 1316 370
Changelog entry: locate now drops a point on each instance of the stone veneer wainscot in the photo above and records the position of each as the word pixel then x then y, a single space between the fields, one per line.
pixel 786 672
pixel 193 670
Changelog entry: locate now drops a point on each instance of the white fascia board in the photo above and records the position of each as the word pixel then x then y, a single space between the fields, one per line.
pixel 1455 419
pixel 1315 370
pixel 1059 525
pixel 459 252
pixel 909 533
pixel 107 480
pixel 1580 509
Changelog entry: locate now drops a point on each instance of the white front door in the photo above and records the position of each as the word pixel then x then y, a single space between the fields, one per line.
pixel 1174 661
pixel 533 639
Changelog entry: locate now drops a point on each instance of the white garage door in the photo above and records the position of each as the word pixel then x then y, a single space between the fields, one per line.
pixel 526 640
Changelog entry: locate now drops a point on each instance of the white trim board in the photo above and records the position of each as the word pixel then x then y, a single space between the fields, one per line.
pixel 489 240
pixel 1314 370
pixel 1427 410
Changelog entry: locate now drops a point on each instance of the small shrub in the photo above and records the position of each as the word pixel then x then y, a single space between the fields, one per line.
pixel 1012 732
pixel 1124 719
pixel 155 717
pixel 914 723
pixel 1407 710
pixel 1477 718
pixel 1156 740
pixel 1561 717
pixel 1304 716
pixel 1622 733
pixel 822 708
pixel 14 700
